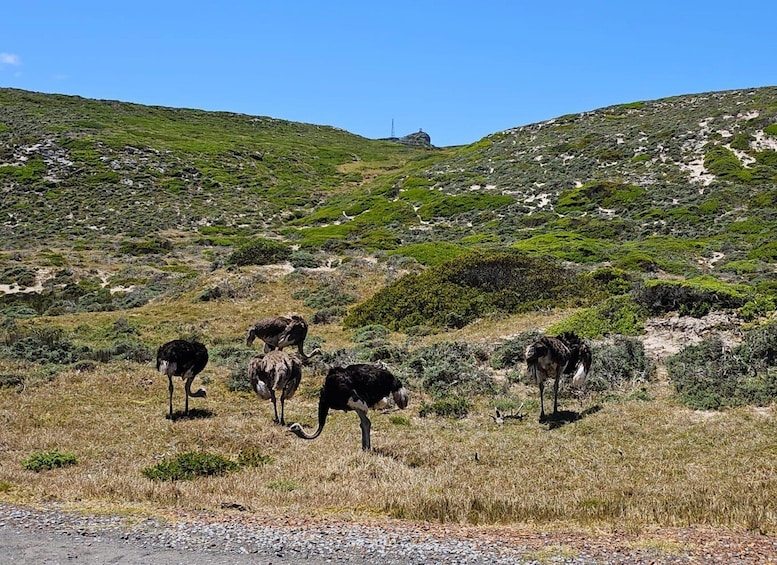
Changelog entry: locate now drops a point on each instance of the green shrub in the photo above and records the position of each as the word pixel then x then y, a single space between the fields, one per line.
pixel 566 246
pixel 260 251
pixel 511 352
pixel 252 457
pixel 457 292
pixel 304 260
pixel 47 460
pixel 190 465
pixel 724 164
pixel 709 375
pixel 21 276
pixel 616 315
pixel 624 361
pixel 604 194
pixel 693 297
pixel 156 246
pixel 759 306
pixel 432 253
pixel 447 369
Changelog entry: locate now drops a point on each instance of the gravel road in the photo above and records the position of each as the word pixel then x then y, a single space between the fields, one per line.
pixel 49 535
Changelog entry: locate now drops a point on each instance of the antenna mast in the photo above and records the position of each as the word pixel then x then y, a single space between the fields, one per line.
pixel 392 127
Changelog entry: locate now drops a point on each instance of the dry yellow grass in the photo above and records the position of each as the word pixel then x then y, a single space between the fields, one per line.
pixel 631 465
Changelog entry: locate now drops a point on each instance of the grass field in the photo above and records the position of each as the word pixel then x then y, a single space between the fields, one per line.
pixel 633 460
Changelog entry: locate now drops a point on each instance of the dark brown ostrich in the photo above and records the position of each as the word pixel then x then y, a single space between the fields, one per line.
pixel 359 388
pixel 275 371
pixel 185 359
pixel 281 331
pixel 550 357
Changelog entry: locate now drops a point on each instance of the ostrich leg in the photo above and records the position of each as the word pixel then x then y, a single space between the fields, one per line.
pixel 170 390
pixel 283 408
pixel 275 407
pixel 555 390
pixel 365 426
pixel 542 401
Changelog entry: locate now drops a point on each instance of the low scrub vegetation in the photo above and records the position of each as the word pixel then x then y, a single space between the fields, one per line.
pixel 712 375
pixel 455 293
pixel 693 297
pixel 260 251
pixel 48 460
pixel 190 465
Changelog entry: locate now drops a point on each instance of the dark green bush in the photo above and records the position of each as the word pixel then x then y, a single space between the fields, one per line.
pixel 155 246
pixel 47 460
pixel 619 363
pixel 694 297
pixel 711 375
pixel 511 352
pixel 373 345
pixel 304 260
pixel 18 275
pixel 260 251
pixel 190 465
pixel 459 291
pixel 450 369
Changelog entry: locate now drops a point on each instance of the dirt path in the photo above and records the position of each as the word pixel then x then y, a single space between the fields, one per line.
pixel 51 536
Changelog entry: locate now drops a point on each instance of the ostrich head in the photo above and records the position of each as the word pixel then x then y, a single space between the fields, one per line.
pixel 323 412
pixel 251 336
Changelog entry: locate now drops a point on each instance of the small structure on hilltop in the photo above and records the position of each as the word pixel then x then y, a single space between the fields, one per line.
pixel 417 139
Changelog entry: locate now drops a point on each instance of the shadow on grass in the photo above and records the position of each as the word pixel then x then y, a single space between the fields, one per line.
pixel 564 417
pixel 194 414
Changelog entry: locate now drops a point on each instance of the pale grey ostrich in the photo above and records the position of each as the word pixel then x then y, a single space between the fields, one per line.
pixel 281 331
pixel 275 371
pixel 550 357
pixel 185 359
pixel 359 388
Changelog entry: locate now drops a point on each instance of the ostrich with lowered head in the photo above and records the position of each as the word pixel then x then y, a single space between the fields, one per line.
pixel 281 331
pixel 275 371
pixel 356 387
pixel 185 359
pixel 550 357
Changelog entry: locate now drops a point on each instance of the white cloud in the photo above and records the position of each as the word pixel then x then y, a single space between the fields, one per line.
pixel 9 59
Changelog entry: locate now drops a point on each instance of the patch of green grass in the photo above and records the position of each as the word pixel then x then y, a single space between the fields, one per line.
pixel 48 460
pixel 283 485
pixel 568 246
pixel 431 253
pixel 604 194
pixel 616 315
pixel 190 465
pixel 252 457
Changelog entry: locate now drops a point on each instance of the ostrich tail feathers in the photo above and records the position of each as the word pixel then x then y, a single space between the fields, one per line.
pixel 261 390
pixel 578 380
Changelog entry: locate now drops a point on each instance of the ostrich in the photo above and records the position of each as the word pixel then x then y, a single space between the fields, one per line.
pixel 183 359
pixel 550 357
pixel 275 371
pixel 280 332
pixel 356 387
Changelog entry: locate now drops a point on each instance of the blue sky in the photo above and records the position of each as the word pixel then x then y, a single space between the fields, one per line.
pixel 458 70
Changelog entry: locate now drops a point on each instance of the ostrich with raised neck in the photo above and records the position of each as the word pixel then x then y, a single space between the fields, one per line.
pixel 281 331
pixel 360 388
